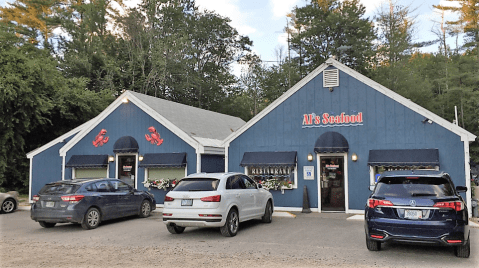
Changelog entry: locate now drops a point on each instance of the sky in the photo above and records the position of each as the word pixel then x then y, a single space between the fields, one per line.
pixel 263 21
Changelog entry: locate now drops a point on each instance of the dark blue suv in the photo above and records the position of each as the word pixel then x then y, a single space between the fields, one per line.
pixel 89 202
pixel 420 206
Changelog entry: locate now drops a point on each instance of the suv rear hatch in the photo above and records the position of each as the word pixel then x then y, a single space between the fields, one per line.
pixel 57 195
pixel 416 199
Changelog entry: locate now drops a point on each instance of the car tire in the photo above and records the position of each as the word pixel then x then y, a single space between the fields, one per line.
pixel 463 251
pixel 174 229
pixel 373 245
pixel 268 213
pixel 47 224
pixel 9 205
pixel 91 220
pixel 145 209
pixel 231 226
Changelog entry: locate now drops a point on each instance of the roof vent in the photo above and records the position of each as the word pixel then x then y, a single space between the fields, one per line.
pixel 331 78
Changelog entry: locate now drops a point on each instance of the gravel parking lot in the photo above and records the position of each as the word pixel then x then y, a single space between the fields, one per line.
pixel 309 240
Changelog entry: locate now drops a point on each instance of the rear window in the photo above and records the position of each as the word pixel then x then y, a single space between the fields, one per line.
pixel 197 184
pixel 59 188
pixel 414 187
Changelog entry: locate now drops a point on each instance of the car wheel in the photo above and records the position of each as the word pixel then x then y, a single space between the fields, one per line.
pixel 174 229
pixel 91 219
pixel 232 224
pixel 373 245
pixel 268 213
pixel 145 209
pixel 8 206
pixel 47 224
pixel 463 251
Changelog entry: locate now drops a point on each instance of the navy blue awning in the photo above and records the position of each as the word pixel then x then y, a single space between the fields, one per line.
pixel 163 160
pixel 331 142
pixel 404 157
pixel 262 159
pixel 88 161
pixel 125 144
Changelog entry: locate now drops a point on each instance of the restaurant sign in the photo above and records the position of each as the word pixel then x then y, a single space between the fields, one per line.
pixel 270 171
pixel 330 120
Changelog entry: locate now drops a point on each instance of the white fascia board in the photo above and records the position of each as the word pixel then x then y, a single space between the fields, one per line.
pixel 58 140
pixel 162 120
pixel 274 104
pixel 464 134
pixel 112 107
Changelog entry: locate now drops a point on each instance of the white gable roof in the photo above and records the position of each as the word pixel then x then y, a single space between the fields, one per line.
pixel 464 134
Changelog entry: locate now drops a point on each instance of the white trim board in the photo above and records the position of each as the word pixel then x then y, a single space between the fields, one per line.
pixel 464 134
pixel 112 107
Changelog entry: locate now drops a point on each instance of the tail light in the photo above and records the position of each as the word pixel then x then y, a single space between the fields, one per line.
pixel 72 198
pixel 36 198
pixel 210 215
pixel 168 214
pixel 213 198
pixel 372 203
pixel 454 241
pixel 168 199
pixel 456 205
pixel 377 236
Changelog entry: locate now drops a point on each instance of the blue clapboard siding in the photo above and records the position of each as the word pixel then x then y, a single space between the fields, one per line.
pixel 387 124
pixel 129 120
pixel 47 166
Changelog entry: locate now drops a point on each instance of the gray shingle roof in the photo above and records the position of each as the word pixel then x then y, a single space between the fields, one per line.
pixel 193 121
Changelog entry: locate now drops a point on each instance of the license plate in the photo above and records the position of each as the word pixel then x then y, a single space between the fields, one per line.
pixel 413 214
pixel 186 202
pixel 49 204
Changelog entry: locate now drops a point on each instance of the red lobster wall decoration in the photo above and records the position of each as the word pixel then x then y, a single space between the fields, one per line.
pixel 155 137
pixel 100 139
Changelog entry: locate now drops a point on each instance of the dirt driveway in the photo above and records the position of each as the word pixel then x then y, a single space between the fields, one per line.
pixel 309 240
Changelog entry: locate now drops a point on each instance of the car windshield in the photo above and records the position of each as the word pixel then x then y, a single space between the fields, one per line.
pixel 59 188
pixel 414 187
pixel 197 184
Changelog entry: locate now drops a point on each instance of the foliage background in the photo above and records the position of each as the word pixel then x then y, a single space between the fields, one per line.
pixel 63 61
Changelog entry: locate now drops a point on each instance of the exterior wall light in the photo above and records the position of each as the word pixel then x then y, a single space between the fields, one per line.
pixel 140 158
pixel 111 158
pixel 354 157
pixel 310 157
pixel 124 100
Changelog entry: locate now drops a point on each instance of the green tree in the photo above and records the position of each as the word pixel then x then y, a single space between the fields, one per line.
pixel 326 28
pixel 37 104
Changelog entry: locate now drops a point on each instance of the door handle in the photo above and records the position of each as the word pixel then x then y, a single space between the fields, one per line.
pixel 238 195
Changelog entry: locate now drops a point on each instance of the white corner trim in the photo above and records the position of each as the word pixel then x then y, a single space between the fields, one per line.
pixel 112 107
pixel 467 170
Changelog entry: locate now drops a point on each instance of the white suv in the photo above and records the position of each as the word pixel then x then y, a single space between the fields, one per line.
pixel 216 200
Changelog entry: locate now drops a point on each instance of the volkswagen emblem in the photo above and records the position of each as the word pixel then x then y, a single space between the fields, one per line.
pixel 412 203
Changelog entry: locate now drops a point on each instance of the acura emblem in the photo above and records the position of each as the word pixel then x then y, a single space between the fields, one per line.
pixel 412 203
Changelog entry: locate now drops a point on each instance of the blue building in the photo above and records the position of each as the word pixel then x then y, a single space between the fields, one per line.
pixel 334 132
pixel 136 139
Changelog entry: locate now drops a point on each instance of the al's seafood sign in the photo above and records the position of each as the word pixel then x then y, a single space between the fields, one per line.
pixel 328 120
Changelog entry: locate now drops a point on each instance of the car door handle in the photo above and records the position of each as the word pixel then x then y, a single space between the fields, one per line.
pixel 238 196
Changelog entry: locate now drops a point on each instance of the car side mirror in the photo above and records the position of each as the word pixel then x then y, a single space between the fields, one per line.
pixel 260 186
pixel 461 189
pixel 371 187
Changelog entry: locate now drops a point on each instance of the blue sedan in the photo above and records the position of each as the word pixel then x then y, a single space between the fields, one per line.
pixel 420 207
pixel 89 202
